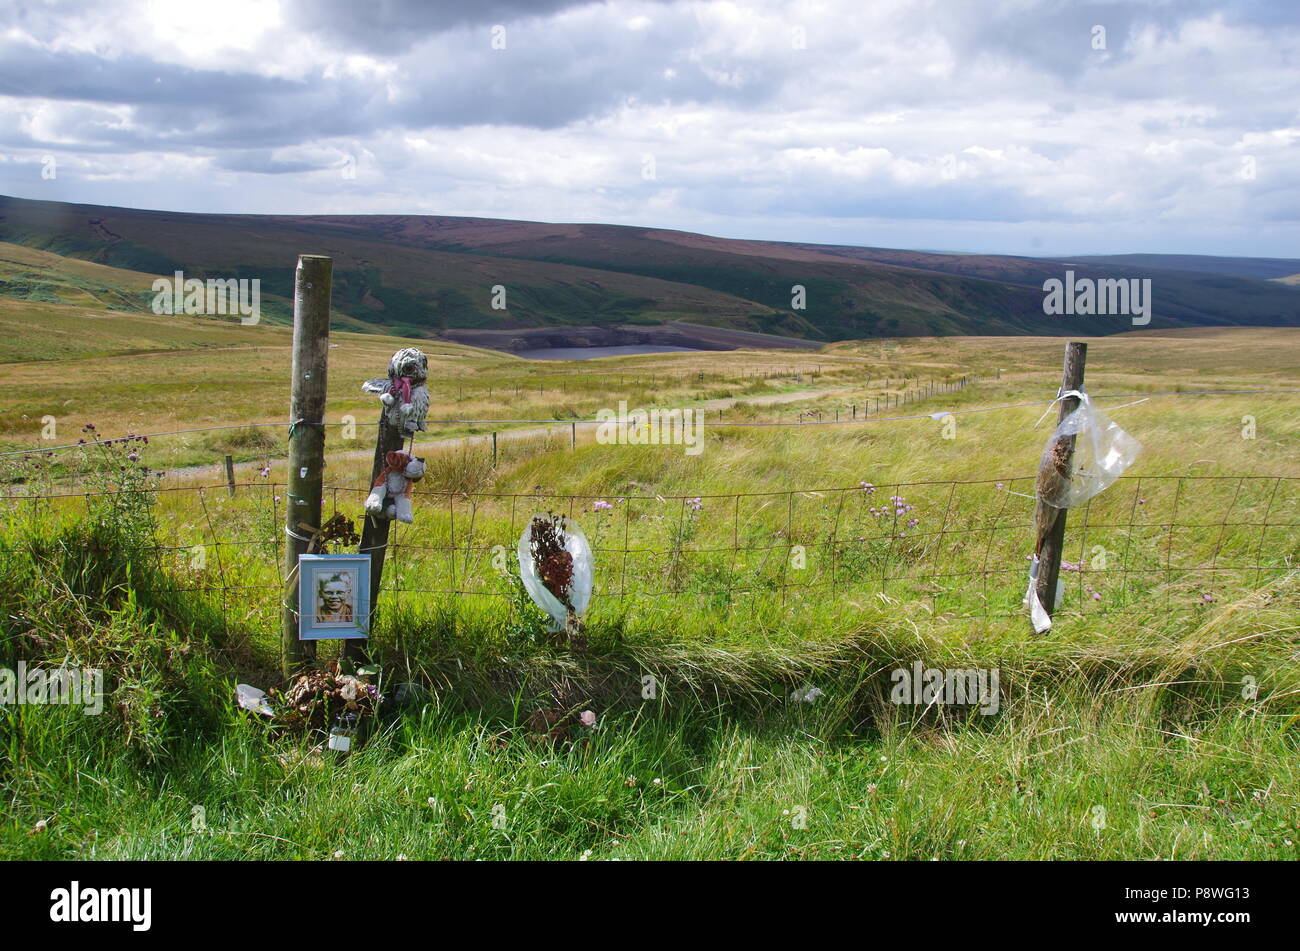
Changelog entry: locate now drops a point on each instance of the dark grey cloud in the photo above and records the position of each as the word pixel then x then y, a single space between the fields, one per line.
pixel 394 26
pixel 545 81
pixel 31 71
pixel 266 163
pixel 1056 37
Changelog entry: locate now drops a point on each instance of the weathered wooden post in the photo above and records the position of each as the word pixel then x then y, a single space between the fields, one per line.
pixel 407 371
pixel 1049 521
pixel 230 474
pixel 374 532
pixel 494 450
pixel 311 336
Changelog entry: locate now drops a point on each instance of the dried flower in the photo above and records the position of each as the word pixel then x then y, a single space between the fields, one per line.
pixel 554 563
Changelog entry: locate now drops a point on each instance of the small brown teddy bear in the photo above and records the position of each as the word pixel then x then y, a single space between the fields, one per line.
pixel 390 498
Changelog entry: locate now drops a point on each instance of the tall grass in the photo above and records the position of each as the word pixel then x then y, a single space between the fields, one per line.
pixel 1148 733
pixel 1136 741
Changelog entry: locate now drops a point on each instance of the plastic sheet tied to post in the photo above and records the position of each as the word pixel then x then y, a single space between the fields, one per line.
pixel 1101 453
pixel 1038 615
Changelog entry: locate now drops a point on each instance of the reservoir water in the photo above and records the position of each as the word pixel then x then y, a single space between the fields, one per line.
pixel 590 353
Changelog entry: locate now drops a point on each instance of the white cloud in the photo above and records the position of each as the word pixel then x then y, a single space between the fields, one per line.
pixel 989 126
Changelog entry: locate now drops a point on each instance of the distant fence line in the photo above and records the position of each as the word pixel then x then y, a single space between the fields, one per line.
pixel 867 416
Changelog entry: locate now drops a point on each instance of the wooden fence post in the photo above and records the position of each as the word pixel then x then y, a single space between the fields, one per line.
pixel 1049 521
pixel 494 450
pixel 374 531
pixel 230 474
pixel 311 336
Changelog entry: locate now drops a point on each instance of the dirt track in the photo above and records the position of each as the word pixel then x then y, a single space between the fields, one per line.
pixel 526 432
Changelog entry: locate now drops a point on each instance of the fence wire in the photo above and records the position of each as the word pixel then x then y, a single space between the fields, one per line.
pixel 1148 544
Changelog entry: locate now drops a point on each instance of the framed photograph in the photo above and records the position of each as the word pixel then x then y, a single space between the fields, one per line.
pixel 333 596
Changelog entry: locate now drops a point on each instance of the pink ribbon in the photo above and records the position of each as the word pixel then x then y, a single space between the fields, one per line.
pixel 401 387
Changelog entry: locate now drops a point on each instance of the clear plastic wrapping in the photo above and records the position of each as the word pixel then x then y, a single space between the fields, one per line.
pixel 560 586
pixel 1102 451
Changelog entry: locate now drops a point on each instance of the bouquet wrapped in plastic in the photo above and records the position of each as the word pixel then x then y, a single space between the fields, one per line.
pixel 556 567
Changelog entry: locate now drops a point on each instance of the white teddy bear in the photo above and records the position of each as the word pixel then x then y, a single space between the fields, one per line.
pixel 391 496
pixel 404 395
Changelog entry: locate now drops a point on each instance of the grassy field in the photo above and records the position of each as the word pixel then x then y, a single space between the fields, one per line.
pixel 1156 720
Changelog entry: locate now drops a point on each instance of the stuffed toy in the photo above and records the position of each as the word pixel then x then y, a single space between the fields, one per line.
pixel 405 398
pixel 390 498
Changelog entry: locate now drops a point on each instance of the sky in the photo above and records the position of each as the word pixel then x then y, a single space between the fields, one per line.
pixel 1001 126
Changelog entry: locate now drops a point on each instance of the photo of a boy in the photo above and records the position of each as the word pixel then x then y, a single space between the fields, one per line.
pixel 334 597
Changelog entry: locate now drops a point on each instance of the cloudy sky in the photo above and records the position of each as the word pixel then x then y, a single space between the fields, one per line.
pixel 981 125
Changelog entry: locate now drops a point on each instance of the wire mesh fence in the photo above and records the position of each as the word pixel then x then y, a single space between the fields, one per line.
pixel 958 548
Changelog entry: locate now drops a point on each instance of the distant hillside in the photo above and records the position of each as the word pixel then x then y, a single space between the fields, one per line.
pixel 1263 269
pixel 419 275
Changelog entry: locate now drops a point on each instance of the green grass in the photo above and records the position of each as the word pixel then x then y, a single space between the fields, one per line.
pixel 1065 781
pixel 1137 705
pixel 1133 740
pixel 1074 765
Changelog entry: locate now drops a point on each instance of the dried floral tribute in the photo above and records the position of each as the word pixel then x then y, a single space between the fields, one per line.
pixel 555 565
